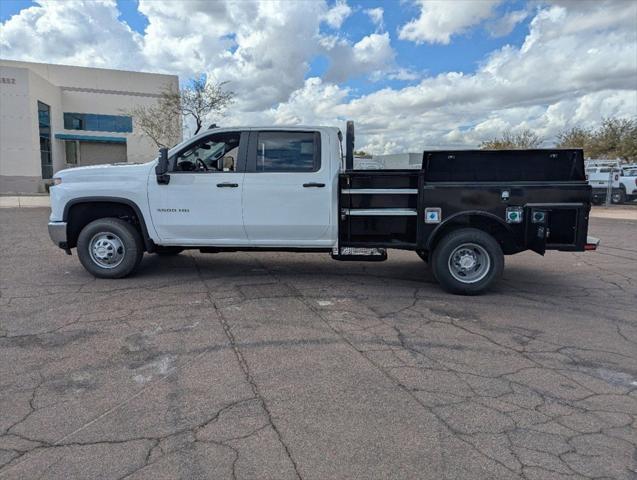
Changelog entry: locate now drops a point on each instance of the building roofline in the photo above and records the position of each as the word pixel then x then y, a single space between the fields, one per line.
pixel 2 60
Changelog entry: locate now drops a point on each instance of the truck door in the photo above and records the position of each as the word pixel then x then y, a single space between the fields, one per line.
pixel 287 197
pixel 201 204
pixel 537 220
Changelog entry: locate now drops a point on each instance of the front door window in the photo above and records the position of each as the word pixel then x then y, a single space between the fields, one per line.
pixel 217 153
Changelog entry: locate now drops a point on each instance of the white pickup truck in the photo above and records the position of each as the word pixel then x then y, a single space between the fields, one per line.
pixel 624 180
pixel 628 183
pixel 288 188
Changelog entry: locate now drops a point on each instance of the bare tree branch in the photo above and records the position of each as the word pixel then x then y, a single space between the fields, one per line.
pixel 199 99
pixel 509 141
pixel 159 122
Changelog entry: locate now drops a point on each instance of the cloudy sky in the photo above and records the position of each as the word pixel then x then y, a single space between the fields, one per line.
pixel 410 73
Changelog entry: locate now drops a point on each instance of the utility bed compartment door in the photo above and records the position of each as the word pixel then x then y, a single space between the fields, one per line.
pixel 536 228
pixel 559 226
pixel 379 208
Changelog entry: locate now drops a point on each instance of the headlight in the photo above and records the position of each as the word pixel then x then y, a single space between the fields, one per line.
pixel 57 180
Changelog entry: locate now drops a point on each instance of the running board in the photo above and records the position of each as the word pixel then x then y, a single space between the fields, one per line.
pixel 352 254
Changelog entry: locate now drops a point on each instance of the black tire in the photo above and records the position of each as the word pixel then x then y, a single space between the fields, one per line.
pixel 424 255
pixel 117 232
pixel 168 251
pixel 619 197
pixel 478 245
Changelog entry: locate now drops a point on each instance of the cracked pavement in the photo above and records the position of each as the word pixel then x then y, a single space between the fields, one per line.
pixel 278 365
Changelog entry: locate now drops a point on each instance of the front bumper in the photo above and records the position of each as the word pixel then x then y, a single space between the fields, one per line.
pixel 599 194
pixel 57 232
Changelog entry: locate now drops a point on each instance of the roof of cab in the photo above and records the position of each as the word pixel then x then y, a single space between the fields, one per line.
pixel 284 128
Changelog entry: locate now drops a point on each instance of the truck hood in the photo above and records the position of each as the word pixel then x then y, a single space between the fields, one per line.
pixel 113 171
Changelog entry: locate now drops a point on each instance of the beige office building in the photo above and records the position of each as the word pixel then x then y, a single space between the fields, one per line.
pixel 55 116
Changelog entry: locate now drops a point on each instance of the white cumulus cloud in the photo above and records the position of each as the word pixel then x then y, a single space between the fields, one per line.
pixel 440 19
pixel 336 15
pixel 376 16
pixel 576 65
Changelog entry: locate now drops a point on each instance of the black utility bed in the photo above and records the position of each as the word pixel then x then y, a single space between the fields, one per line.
pixel 475 188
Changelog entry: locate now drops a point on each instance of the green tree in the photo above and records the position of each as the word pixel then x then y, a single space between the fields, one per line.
pixel 512 141
pixel 575 137
pixel 614 138
pixel 362 154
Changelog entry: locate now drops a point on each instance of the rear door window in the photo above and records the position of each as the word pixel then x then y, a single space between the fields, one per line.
pixel 288 152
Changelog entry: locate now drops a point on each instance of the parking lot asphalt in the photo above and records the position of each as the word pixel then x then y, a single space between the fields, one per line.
pixel 278 365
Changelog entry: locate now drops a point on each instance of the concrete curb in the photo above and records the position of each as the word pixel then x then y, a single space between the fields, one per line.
pixel 616 213
pixel 25 201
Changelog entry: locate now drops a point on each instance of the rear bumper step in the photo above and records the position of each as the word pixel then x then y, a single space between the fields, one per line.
pixel 345 254
pixel 591 243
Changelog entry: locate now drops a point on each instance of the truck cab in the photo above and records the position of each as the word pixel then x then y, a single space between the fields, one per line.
pixel 253 187
pixel 292 189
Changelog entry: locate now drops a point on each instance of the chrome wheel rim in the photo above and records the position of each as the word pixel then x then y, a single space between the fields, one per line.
pixel 107 250
pixel 469 263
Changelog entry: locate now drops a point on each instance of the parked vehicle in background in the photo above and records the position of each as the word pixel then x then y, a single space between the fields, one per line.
pixel 628 182
pixel 598 173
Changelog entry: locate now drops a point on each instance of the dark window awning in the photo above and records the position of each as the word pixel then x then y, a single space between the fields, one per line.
pixel 90 138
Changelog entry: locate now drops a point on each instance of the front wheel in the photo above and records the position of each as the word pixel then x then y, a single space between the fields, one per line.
pixel 110 248
pixel 467 261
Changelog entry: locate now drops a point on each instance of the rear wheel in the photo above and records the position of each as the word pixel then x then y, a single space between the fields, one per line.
pixel 110 248
pixel 467 261
pixel 619 196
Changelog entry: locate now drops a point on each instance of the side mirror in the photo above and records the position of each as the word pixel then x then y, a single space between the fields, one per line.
pixel 161 169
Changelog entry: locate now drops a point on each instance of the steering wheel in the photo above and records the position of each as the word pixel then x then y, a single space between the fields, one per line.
pixel 203 164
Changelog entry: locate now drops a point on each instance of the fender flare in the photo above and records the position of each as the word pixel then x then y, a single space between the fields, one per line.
pixel 467 213
pixel 148 242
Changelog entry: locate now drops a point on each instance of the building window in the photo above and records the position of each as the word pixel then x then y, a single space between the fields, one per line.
pixel 44 123
pixel 71 150
pixel 94 122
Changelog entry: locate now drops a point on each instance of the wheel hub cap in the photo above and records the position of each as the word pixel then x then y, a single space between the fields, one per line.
pixel 107 250
pixel 469 263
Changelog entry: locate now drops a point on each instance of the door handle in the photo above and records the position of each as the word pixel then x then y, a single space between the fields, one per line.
pixel 227 185
pixel 314 184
